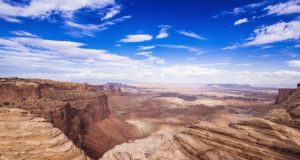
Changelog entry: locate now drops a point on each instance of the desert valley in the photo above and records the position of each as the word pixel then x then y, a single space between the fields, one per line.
pixel 150 80
pixel 45 119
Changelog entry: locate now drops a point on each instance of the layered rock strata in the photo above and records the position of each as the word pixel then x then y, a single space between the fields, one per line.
pixel 80 111
pixel 23 136
pixel 275 136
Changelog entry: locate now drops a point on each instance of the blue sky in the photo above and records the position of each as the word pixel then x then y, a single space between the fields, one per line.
pixel 178 41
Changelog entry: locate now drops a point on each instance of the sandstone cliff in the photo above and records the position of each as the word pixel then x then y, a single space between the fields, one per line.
pixel 19 90
pixel 283 95
pixel 289 113
pixel 23 136
pixel 80 111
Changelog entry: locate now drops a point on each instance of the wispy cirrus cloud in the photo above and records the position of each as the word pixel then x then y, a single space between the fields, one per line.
pixel 150 57
pixel 241 21
pixel 23 33
pixel 44 8
pixel 191 34
pixel 197 51
pixel 278 32
pixel 134 38
pixel 163 33
pixel 235 46
pixel 242 9
pixel 48 9
pixel 284 8
pixel 89 29
pixel 143 48
pixel 112 12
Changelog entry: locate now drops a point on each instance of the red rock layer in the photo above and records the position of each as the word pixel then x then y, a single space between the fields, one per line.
pixel 80 111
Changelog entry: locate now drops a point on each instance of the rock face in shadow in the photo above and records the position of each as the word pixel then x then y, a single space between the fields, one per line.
pixel 23 136
pixel 80 111
pixel 289 113
pixel 275 136
pixel 283 95
pixel 112 89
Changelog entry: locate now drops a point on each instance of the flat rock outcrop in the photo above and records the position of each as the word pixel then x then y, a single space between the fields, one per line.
pixel 19 90
pixel 23 136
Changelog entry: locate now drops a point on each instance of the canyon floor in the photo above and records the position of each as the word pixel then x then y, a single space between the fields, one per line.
pixel 147 121
pixel 154 107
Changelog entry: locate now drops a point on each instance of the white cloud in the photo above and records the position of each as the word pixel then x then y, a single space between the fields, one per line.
pixel 34 57
pixel 191 34
pixel 235 46
pixel 133 38
pixel 266 47
pixel 87 29
pixel 66 9
pixel 195 50
pixel 81 26
pixel 278 32
pixel 241 21
pixel 284 8
pixel 144 53
pixel 143 48
pixel 45 8
pixel 112 12
pixel 242 9
pixel 294 63
pixel 23 33
pixel 163 33
pixel 151 58
pixel 23 56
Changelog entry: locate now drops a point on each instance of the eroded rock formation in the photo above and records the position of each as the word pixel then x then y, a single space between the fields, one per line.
pixel 283 95
pixel 113 89
pixel 23 136
pixel 275 136
pixel 19 90
pixel 289 113
pixel 80 111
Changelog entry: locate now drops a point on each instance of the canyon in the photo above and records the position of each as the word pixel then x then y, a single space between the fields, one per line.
pixel 147 121
pixel 274 134
pixel 80 111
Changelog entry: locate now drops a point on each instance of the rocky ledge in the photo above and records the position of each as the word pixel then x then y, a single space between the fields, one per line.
pixel 80 111
pixel 23 136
